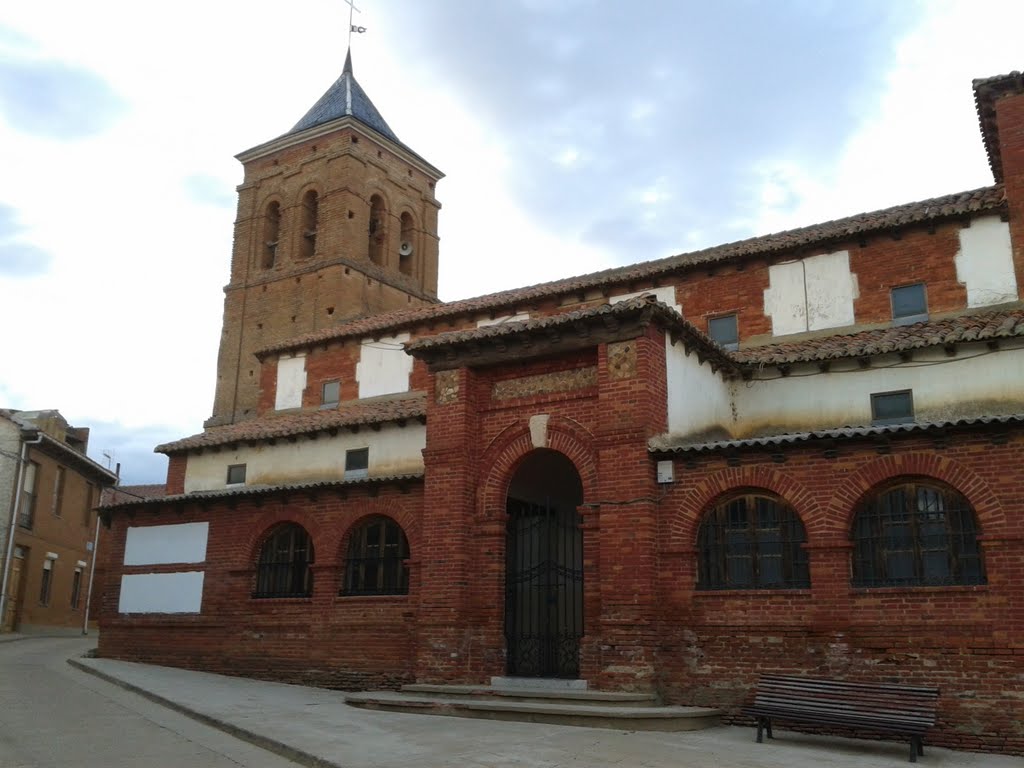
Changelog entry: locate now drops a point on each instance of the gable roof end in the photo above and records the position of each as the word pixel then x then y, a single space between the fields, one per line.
pixel 986 92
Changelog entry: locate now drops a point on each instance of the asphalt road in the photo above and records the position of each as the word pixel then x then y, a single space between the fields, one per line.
pixel 54 715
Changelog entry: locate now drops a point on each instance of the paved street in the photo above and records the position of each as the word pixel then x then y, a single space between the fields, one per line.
pixel 54 715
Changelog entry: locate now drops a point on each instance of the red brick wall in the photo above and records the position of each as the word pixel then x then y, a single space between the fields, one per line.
pixel 1010 124
pixel 966 640
pixel 326 639
pixel 646 625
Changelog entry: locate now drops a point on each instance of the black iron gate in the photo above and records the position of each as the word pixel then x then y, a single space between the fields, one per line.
pixel 543 590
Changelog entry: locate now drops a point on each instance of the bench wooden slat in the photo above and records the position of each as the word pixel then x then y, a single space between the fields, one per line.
pixel 880 707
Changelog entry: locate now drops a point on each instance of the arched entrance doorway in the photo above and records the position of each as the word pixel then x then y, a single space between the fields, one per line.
pixel 544 568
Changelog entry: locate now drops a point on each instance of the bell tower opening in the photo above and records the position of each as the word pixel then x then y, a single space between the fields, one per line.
pixel 378 234
pixel 310 215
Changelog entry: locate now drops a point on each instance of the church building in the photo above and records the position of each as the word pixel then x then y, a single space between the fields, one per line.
pixel 799 453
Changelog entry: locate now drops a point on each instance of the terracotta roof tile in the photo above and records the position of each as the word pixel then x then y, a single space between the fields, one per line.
pixel 121 494
pixel 951 330
pixel 978 200
pixel 378 410
pixel 664 314
pixel 260 490
pixel 986 92
pixel 673 444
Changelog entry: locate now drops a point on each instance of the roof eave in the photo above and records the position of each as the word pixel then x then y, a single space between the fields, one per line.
pixel 347 121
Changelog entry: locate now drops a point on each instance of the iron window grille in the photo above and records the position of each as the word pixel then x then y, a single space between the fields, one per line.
pixel 752 542
pixel 376 564
pixel 916 534
pixel 283 568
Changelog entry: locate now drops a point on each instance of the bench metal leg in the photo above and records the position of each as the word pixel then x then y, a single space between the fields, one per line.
pixel 916 748
pixel 760 726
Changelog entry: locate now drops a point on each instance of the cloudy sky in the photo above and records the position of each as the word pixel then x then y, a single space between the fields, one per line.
pixel 575 134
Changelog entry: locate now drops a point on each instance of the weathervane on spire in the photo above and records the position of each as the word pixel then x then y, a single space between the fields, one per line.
pixel 352 27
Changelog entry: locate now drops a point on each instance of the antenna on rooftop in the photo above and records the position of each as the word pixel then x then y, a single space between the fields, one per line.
pixel 109 456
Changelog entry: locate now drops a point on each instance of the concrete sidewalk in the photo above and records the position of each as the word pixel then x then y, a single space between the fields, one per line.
pixel 315 727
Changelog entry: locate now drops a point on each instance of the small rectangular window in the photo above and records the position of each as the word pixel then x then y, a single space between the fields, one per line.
pixel 76 587
pixel 892 407
pixel 330 393
pixel 236 474
pixel 357 463
pixel 27 505
pixel 725 331
pixel 90 495
pixel 909 304
pixel 46 582
pixel 57 506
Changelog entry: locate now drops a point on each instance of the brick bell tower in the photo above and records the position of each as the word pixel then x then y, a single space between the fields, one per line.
pixel 337 219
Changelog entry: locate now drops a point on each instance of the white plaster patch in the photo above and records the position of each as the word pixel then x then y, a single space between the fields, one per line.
pixel 666 294
pixel 539 430
pixel 384 366
pixel 811 294
pixel 521 316
pixel 394 450
pixel 161 544
pixel 698 398
pixel 984 263
pixel 161 592
pixel 291 381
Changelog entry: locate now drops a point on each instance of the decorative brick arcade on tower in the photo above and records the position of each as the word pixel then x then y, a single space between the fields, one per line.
pixel 796 453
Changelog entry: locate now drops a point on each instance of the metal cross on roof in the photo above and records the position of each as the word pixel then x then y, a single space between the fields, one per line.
pixel 352 27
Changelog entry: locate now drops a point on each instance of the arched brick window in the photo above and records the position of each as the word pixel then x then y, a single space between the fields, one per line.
pixel 752 541
pixel 378 230
pixel 377 552
pixel 407 245
pixel 283 566
pixel 271 235
pixel 310 223
pixel 916 533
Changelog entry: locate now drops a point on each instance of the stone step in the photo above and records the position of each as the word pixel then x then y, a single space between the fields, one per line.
pixel 625 718
pixel 539 695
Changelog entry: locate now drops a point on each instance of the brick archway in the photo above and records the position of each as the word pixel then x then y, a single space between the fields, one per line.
pixel 510 447
pixel 849 494
pixel 685 520
pixel 270 520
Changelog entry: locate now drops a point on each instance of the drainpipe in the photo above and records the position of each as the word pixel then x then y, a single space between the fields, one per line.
pixel 92 560
pixel 14 521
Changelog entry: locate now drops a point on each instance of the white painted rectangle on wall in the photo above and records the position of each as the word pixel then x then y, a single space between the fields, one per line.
pixel 383 366
pixel 161 544
pixel 291 381
pixel 984 263
pixel 811 294
pixel 161 592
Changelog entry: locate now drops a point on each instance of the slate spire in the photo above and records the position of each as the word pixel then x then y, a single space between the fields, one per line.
pixel 345 97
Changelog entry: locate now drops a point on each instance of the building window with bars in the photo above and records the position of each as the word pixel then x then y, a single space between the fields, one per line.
pixel 752 541
pixel 376 565
pixel 916 534
pixel 283 569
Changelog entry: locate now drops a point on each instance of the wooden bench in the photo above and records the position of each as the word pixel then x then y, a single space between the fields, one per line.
pixel 899 709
